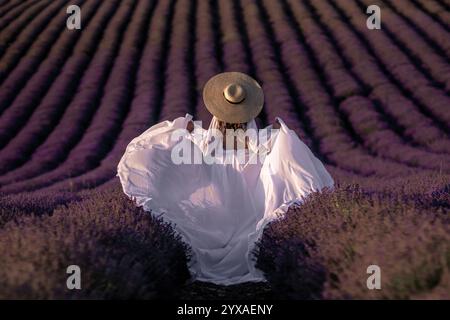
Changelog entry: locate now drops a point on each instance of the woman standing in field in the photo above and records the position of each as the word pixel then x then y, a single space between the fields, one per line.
pixel 219 187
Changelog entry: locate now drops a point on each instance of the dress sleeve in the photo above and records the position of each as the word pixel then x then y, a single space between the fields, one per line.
pixel 146 159
pixel 291 171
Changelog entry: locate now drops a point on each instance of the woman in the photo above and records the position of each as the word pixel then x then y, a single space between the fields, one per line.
pixel 219 187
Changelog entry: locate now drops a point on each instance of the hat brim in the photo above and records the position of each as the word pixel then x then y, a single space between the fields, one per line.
pixel 224 110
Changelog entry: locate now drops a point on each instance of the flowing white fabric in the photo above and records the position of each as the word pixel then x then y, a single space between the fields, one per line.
pixel 219 209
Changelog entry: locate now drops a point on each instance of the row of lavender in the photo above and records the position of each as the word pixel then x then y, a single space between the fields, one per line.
pixel 123 252
pixel 363 116
pixel 328 254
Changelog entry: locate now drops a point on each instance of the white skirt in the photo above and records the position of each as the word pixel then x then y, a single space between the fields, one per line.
pixel 219 210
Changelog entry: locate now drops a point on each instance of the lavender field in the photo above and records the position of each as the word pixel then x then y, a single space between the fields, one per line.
pixel 373 105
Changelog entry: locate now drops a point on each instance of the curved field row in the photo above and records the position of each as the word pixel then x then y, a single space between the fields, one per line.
pixel 433 99
pixel 358 116
pixel 24 105
pixel 10 13
pixel 313 99
pixel 53 104
pixel 144 106
pixel 21 33
pixel 437 11
pixel 348 75
pixel 370 104
pixel 108 113
pixel 18 25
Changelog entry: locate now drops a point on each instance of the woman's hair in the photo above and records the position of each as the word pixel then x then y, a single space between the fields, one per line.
pixel 223 126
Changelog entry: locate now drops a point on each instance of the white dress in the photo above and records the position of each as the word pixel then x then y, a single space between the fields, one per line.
pixel 220 210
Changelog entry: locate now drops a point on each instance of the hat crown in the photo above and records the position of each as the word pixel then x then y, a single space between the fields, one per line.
pixel 234 93
pixel 233 97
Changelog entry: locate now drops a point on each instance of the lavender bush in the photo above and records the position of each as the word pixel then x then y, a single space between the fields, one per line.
pixel 122 251
pixel 323 248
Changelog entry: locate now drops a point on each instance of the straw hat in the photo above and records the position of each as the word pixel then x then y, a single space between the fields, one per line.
pixel 233 97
